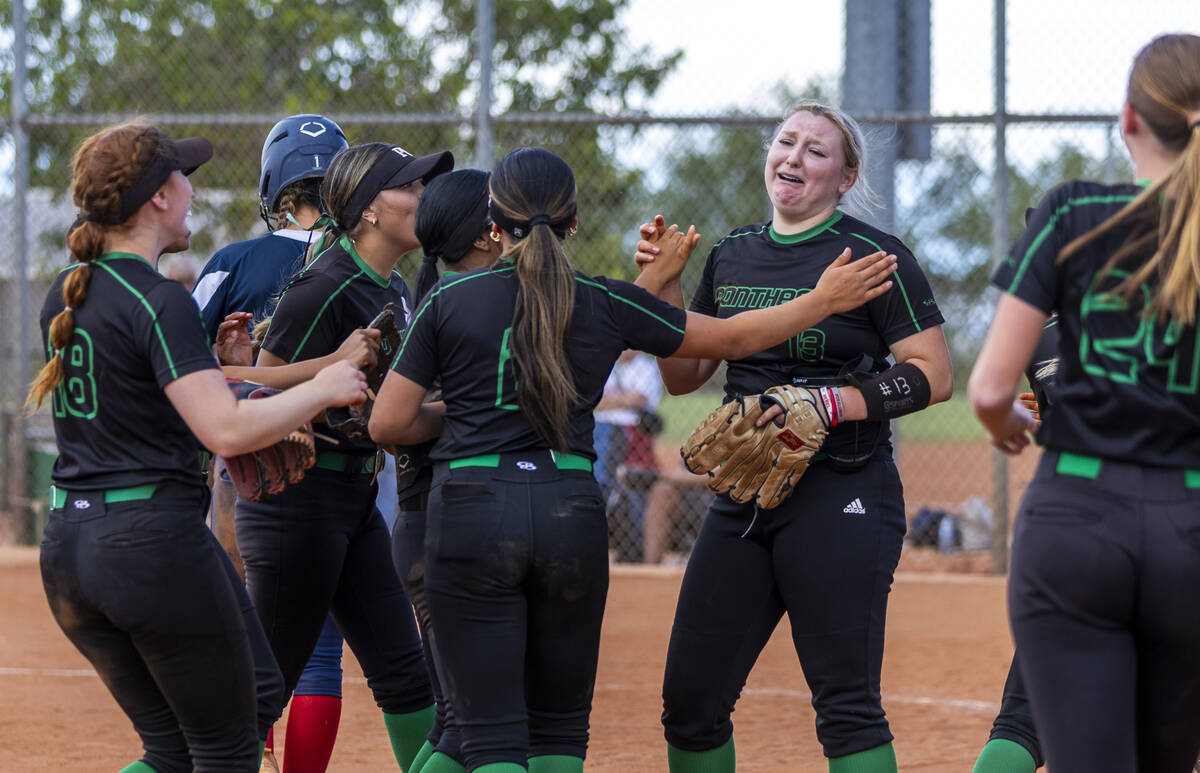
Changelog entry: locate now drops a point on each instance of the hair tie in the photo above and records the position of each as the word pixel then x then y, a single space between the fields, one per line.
pixel 429 257
pixel 69 308
pixel 540 218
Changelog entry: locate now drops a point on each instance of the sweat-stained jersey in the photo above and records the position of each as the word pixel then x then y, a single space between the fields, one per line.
pixel 1127 386
pixel 460 337
pixel 134 334
pixel 328 300
pixel 249 275
pixel 755 267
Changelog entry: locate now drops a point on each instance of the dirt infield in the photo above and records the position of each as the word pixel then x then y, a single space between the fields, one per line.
pixel 948 650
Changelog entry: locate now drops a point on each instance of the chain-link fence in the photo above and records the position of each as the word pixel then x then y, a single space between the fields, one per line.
pixel 593 81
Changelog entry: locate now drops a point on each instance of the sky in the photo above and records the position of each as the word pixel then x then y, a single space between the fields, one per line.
pixel 1064 55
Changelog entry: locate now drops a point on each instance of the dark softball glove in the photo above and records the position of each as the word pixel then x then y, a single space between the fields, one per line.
pixel 269 470
pixel 352 421
pixel 761 463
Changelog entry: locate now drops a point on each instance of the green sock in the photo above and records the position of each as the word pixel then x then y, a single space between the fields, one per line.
pixel 881 759
pixel 555 763
pixel 1001 755
pixel 261 746
pixel 137 767
pixel 501 767
pixel 442 763
pixel 423 754
pixel 408 732
pixel 719 760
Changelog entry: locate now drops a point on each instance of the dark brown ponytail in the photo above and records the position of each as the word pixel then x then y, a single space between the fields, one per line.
pixel 533 199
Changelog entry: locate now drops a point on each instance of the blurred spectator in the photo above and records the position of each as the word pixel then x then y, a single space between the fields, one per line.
pixel 675 508
pixel 182 271
pixel 625 461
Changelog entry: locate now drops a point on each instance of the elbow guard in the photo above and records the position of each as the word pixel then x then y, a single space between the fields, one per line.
pixel 897 391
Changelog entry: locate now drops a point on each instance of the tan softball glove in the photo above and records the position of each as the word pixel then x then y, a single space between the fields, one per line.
pixel 764 463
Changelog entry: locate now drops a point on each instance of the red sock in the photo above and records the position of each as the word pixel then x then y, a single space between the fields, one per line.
pixel 311 731
pixel 270 744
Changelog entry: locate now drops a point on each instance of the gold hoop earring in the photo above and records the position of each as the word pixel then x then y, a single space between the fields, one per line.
pixel 572 231
pixel 495 236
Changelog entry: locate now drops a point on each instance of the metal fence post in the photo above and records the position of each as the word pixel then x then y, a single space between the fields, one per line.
pixel 485 39
pixel 19 456
pixel 1000 238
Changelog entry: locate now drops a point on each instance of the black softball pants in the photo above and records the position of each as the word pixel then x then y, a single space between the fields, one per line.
pixel 1015 720
pixel 321 546
pixel 408 555
pixel 825 556
pixel 516 572
pixel 146 593
pixel 1103 593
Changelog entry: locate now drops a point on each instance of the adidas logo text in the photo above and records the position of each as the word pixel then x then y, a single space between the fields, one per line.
pixel 855 508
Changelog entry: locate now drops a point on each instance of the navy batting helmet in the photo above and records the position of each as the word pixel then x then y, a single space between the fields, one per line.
pixel 297 147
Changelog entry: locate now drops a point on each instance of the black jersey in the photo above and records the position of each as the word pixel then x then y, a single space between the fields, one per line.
pixel 460 337
pixel 1127 386
pixel 755 267
pixel 323 304
pixel 136 332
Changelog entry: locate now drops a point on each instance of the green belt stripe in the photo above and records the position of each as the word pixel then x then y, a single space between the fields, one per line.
pixel 561 461
pixel 1089 467
pixel 1078 465
pixel 58 496
pixel 339 462
pixel 485 460
pixel 572 462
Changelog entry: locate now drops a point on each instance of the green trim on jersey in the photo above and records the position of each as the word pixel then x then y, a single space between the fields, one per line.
pixel 436 292
pixel 102 261
pixel 896 275
pixel 817 229
pixel 382 281
pixel 505 266
pixel 1045 232
pixel 639 307
pixel 505 356
pixel 317 317
pixel 762 230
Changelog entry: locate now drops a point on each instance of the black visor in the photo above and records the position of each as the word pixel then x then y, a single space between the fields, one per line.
pixel 393 169
pixel 186 155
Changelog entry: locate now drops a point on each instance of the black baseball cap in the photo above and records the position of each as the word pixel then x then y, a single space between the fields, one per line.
pixel 394 168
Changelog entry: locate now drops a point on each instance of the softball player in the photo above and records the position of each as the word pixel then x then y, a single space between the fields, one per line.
pixel 248 276
pixel 453 227
pixel 827 554
pixel 516 555
pixel 1106 564
pixel 1013 746
pixel 134 386
pixel 322 544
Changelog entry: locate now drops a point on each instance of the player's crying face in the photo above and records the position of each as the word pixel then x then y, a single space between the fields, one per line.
pixel 805 168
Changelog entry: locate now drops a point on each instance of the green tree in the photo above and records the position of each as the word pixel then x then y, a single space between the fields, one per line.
pixel 948 224
pixel 338 57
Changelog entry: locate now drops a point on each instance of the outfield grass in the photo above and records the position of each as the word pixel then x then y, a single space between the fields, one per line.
pixel 947 421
